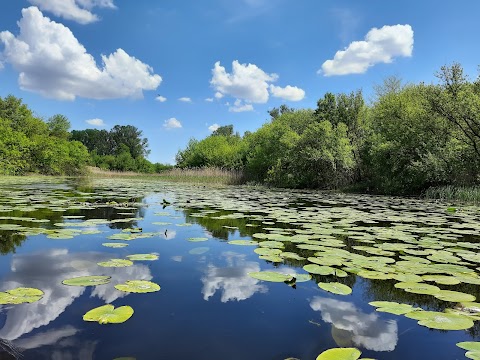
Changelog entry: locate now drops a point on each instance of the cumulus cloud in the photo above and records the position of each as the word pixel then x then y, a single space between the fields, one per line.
pixel 232 281
pixel 209 99
pixel 380 46
pixel 161 99
pixel 218 95
pixel 246 82
pixel 290 93
pixel 76 10
pixel 185 99
pixel 364 330
pixel 52 62
pixel 238 106
pixel 95 122
pixel 213 127
pixel 172 123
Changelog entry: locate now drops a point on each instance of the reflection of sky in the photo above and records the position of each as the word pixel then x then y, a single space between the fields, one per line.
pixel 367 330
pixel 46 271
pixel 233 280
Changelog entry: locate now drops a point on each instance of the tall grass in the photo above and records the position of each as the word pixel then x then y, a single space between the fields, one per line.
pixel 199 175
pixel 468 194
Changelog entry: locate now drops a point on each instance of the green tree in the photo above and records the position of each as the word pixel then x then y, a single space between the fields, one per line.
pixel 59 126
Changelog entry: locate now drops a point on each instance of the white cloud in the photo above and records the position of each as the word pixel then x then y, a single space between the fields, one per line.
pixel 247 82
pixel 52 62
pixel 76 10
pixel 95 122
pixel 213 127
pixel 185 99
pixel 291 93
pixel 218 95
pixel 233 281
pixel 172 123
pixel 238 106
pixel 209 99
pixel 161 99
pixel 365 330
pixel 380 46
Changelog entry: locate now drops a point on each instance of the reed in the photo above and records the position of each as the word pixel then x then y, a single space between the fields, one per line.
pixel 467 194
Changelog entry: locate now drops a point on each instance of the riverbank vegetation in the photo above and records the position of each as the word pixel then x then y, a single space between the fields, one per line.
pixel 410 138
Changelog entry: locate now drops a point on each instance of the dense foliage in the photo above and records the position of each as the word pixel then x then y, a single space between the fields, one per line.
pixel 30 145
pixel 409 138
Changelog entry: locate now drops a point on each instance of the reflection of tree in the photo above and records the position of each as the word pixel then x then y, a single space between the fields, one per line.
pixel 9 241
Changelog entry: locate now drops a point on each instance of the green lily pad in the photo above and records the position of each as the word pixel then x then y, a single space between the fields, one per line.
pixel 20 295
pixel 87 281
pixel 392 307
pixel 243 242
pixel 335 288
pixel 441 321
pixel 454 296
pixel 115 245
pixel 142 257
pixel 469 345
pixel 418 288
pixel 197 239
pixel 116 263
pixel 107 314
pixel 474 355
pixel 340 354
pixel 270 276
pixel 138 286
pixel 267 251
pixel 320 270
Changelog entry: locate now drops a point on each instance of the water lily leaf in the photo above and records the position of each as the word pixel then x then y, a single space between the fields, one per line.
pixel 335 288
pixel 320 270
pixel 143 257
pixel 418 288
pixel 20 295
pixel 267 251
pixel 454 296
pixel 107 314
pixel 138 286
pixel 87 281
pixel 475 355
pixel 469 345
pixel 272 258
pixel 441 321
pixel 270 276
pixel 272 244
pixel 392 307
pixel 243 242
pixel 377 275
pixel 115 245
pixel 116 263
pixel 197 239
pixel 199 251
pixel 340 354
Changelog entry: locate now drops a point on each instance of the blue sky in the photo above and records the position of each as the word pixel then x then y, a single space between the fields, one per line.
pixel 177 69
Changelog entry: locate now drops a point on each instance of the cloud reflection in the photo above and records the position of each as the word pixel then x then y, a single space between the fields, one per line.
pixel 366 330
pixel 46 270
pixel 233 281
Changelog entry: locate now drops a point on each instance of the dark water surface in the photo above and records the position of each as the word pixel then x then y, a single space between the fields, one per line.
pixel 208 306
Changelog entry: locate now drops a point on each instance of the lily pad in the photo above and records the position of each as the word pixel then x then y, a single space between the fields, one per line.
pixel 336 288
pixel 116 263
pixel 138 286
pixel 392 307
pixel 115 245
pixel 107 314
pixel 454 296
pixel 143 257
pixel 243 242
pixel 197 239
pixel 199 251
pixel 87 281
pixel 441 321
pixel 270 276
pixel 20 295
pixel 340 354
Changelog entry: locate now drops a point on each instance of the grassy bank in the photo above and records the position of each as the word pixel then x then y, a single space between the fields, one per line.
pixel 466 194
pixel 199 176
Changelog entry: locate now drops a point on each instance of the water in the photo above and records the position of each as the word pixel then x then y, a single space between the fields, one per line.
pixel 208 306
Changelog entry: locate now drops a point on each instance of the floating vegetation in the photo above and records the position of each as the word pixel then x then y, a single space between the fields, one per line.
pixel 93 280
pixel 199 251
pixel 336 288
pixel 138 286
pixel 243 242
pixel 270 276
pixel 340 354
pixel 116 263
pixel 115 245
pixel 107 314
pixel 143 257
pixel 441 321
pixel 197 239
pixel 20 295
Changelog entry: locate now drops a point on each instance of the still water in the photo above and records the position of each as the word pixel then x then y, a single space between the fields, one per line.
pixel 209 305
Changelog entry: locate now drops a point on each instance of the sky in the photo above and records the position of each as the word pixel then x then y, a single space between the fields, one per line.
pixel 179 69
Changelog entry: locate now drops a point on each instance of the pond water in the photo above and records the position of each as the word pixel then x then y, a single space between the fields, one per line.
pixel 212 302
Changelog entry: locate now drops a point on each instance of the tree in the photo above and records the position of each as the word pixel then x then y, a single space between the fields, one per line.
pixel 131 137
pixel 59 126
pixel 226 130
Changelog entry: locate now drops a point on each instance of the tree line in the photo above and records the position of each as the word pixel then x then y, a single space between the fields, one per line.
pixel 28 144
pixel 409 138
